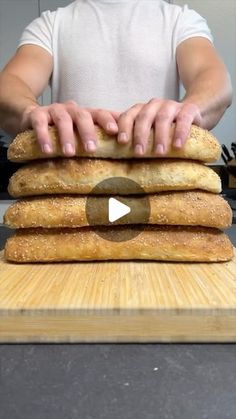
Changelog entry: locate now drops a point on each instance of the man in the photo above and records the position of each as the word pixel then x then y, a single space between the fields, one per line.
pixel 116 63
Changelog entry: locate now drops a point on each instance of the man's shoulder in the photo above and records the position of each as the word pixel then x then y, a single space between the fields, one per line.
pixel 65 9
pixel 170 8
pixel 175 13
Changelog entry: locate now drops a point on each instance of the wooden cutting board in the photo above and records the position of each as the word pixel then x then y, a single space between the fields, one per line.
pixel 118 302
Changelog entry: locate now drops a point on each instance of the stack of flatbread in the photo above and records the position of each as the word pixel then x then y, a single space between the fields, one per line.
pixel 187 214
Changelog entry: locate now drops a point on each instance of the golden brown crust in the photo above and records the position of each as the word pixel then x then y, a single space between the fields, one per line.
pixel 172 208
pixel 169 243
pixel 201 145
pixel 80 176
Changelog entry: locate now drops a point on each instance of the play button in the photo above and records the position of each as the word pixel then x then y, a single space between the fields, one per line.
pixel 116 210
pixel 117 202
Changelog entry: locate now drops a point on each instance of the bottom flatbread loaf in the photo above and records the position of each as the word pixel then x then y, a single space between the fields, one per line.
pixel 163 243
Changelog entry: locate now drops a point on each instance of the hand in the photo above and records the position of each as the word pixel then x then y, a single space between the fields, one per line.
pixel 159 114
pixel 64 116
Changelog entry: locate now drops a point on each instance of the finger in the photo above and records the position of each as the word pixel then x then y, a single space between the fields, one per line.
pixel 116 115
pixel 183 124
pixel 26 121
pixel 83 121
pixel 126 123
pixel 64 124
pixel 86 129
pixel 105 120
pixel 142 127
pixel 39 121
pixel 163 121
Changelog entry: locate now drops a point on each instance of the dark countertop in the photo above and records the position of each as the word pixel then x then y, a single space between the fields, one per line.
pixel 118 381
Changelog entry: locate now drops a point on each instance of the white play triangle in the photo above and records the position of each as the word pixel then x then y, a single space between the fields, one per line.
pixel 116 210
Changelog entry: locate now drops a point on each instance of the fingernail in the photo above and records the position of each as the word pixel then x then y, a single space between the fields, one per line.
pixel 90 146
pixel 46 148
pixel 139 149
pixel 160 149
pixel 111 126
pixel 178 142
pixel 68 149
pixel 122 137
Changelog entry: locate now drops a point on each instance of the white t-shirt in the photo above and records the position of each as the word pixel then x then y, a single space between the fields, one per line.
pixel 114 53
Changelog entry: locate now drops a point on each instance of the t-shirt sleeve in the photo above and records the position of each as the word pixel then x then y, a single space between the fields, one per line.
pixel 190 24
pixel 39 32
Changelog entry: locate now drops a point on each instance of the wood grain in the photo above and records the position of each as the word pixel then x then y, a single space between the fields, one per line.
pixel 118 302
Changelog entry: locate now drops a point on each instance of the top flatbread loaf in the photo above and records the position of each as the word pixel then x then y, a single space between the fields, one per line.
pixel 200 145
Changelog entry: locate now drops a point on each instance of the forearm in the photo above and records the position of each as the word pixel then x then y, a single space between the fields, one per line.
pixel 211 91
pixel 15 98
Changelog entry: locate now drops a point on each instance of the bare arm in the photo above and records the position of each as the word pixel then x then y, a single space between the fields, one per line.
pixel 208 95
pixel 205 79
pixel 23 80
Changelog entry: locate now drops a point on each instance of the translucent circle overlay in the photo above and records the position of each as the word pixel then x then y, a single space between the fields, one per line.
pixel 127 192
